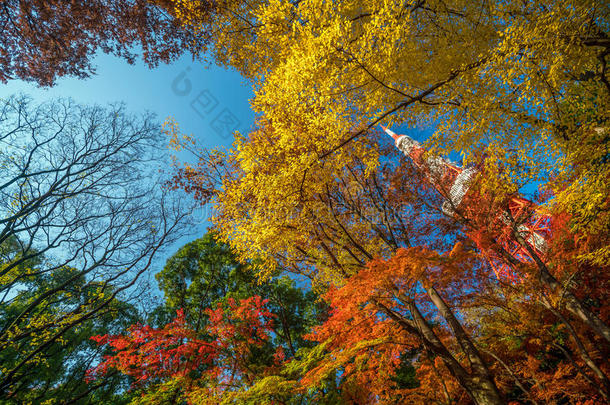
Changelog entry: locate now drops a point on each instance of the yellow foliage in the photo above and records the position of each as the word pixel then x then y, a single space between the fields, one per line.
pixel 518 81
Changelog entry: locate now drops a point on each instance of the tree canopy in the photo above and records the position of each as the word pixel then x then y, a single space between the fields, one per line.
pixel 519 89
pixel 338 268
pixel 42 41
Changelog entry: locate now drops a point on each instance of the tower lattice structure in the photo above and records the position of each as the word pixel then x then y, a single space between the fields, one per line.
pixel 454 183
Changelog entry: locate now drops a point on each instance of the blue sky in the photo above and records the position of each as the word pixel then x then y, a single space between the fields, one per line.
pixel 205 100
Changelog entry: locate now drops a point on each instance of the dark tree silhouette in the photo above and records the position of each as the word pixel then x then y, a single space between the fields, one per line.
pixel 42 40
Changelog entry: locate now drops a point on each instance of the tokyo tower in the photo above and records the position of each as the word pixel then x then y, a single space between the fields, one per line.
pixel 454 183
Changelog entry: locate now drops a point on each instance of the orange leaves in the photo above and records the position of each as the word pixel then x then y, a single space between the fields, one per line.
pixel 402 271
pixel 161 353
pixel 176 350
pixel 248 323
pixel 406 304
pixel 361 340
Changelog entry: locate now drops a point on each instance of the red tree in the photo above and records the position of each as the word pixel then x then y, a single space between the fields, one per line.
pixel 176 352
pixel 42 40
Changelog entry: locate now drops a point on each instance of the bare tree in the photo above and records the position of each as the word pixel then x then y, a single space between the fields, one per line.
pixel 81 194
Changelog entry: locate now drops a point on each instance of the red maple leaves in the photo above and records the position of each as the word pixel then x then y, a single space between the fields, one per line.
pixel 177 350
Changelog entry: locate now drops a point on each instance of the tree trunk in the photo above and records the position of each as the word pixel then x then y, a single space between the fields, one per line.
pixel 572 303
pixel 485 386
pixel 480 389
